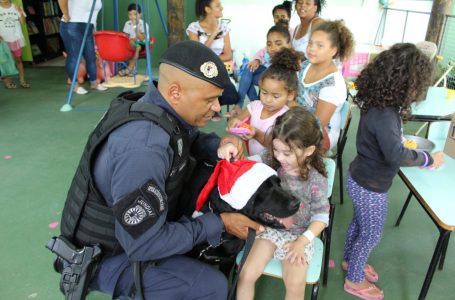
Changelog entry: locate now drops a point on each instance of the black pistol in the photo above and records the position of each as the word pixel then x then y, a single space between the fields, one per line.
pixel 75 265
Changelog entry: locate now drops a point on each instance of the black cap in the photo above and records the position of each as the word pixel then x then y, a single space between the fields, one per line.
pixel 197 60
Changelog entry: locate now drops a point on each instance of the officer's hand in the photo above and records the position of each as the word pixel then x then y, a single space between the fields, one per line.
pixel 237 224
pixel 235 152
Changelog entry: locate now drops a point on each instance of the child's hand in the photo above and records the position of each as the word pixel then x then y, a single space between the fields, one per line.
pixel 253 65
pixel 249 135
pixel 296 254
pixel 438 159
pixel 226 151
pixel 233 122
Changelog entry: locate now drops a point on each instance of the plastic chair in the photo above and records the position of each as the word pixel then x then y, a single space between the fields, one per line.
pixel 321 246
pixel 346 117
pixel 326 235
pixel 274 269
pixel 115 46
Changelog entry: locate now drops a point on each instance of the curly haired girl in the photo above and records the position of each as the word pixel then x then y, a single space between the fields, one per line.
pixel 387 87
pixel 279 87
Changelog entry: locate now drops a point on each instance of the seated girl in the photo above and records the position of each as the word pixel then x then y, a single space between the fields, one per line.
pixel 322 89
pixel 215 35
pixel 261 60
pixel 296 153
pixel 278 86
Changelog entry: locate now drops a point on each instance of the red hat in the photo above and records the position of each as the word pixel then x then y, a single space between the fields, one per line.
pixel 237 182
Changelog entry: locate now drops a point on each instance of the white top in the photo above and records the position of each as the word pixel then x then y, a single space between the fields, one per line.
pixel 79 10
pixel 255 109
pixel 302 43
pixel 10 25
pixel 130 29
pixel 218 43
pixel 331 89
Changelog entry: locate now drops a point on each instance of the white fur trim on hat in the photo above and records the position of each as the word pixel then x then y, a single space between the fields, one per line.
pixel 247 184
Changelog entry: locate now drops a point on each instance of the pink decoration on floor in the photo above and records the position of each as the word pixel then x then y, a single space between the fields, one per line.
pixel 53 225
pixel 331 264
pixel 7 157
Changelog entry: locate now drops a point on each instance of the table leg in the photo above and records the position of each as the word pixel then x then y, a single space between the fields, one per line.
pixel 434 261
pixel 444 250
pixel 403 210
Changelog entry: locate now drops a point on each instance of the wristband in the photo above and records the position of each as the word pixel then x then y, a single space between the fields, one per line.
pixel 309 235
pixel 426 159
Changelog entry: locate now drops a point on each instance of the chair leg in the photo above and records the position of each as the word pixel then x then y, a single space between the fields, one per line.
pixel 340 169
pixel 327 242
pixel 403 210
pixel 315 291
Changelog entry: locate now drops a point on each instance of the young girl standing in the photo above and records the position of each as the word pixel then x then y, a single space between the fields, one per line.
pixel 278 88
pixel 322 87
pixel 386 89
pixel 11 18
pixel 278 37
pixel 297 154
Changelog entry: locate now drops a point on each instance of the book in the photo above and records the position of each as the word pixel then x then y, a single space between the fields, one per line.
pixel 31 10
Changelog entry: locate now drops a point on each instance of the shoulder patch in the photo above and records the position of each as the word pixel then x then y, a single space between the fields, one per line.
pixel 141 209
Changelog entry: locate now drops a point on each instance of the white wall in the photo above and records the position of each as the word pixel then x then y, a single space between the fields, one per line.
pixel 251 19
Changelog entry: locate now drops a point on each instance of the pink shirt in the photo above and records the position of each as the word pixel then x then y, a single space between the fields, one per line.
pixel 255 109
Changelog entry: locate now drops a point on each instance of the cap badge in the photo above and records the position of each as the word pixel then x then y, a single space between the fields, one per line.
pixel 209 69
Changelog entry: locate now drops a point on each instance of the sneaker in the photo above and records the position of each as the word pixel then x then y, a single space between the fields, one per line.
pixel 81 91
pixel 100 87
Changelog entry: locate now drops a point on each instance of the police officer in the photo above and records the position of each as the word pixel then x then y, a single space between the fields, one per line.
pixel 125 194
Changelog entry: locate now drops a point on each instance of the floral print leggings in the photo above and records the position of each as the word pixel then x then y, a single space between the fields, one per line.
pixel 365 230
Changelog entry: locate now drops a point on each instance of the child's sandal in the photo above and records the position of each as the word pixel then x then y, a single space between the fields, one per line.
pixel 365 293
pixel 124 72
pixel 10 85
pixel 25 84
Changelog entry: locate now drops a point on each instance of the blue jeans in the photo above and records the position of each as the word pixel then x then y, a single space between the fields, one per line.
pixel 72 35
pixel 247 82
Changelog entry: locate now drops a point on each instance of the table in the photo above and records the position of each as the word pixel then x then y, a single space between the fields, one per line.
pixel 434 191
pixel 435 107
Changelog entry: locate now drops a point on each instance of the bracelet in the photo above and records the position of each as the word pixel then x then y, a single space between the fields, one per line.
pixel 426 159
pixel 309 235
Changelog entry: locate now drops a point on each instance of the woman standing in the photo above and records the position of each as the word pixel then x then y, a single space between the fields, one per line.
pixel 215 35
pixel 72 29
pixel 308 12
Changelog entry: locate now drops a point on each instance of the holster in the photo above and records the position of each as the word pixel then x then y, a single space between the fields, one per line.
pixel 77 266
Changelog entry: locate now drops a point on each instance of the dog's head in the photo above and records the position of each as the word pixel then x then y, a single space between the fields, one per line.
pixel 269 205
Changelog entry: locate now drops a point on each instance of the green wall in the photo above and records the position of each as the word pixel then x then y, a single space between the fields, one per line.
pixel 156 29
pixel 26 51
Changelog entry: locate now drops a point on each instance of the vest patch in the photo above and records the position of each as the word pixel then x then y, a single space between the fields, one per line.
pixel 140 210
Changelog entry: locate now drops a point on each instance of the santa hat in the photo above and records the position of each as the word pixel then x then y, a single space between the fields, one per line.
pixel 237 182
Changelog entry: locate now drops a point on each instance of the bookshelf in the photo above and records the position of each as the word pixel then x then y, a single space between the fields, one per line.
pixel 43 26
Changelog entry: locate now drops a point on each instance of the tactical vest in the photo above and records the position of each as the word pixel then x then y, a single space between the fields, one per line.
pixel 86 218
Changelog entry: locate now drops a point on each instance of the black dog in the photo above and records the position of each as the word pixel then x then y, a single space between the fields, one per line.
pixel 268 205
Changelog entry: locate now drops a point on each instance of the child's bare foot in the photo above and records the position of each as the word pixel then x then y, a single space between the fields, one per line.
pixel 370 273
pixel 364 290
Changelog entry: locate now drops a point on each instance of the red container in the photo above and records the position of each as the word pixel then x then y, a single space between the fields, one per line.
pixel 113 45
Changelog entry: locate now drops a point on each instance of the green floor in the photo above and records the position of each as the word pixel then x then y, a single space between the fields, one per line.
pixel 41 146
